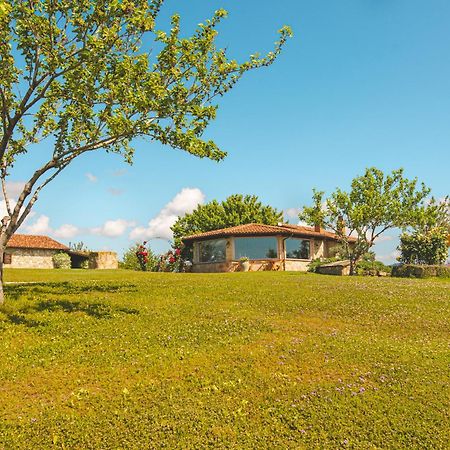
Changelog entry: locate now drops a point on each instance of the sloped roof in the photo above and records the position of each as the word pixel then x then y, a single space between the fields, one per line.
pixel 33 241
pixel 256 229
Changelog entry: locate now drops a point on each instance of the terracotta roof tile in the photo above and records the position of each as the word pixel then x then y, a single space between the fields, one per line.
pixel 32 241
pixel 255 229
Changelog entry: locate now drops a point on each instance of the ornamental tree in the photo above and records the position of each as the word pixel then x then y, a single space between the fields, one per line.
pixel 82 75
pixel 429 247
pixel 375 203
pixel 236 210
pixel 429 239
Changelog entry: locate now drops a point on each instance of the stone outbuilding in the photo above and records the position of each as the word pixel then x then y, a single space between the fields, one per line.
pixel 267 247
pixel 32 252
pixel 27 251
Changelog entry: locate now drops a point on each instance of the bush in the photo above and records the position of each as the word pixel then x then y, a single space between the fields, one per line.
pixel 420 271
pixel 424 247
pixel 130 259
pixel 172 261
pixel 372 268
pixel 61 261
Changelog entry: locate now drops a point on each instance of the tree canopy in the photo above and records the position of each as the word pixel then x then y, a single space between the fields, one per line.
pixel 375 203
pixel 236 210
pixel 86 75
pixel 427 241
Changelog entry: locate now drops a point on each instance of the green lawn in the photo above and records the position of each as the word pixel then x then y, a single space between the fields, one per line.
pixel 118 359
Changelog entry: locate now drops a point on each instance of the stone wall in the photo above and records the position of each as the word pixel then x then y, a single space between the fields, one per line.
pixel 103 260
pixel 31 258
pixel 226 266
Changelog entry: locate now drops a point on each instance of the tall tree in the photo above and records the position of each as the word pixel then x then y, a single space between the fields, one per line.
pixel 235 210
pixel 375 203
pixel 80 74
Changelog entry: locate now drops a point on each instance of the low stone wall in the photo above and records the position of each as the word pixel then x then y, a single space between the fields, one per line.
pixel 296 266
pixel 229 266
pixel 29 258
pixel 334 269
pixel 103 260
pixel 255 266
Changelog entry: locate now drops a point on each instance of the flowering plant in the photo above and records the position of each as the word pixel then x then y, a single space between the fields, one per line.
pixel 142 256
pixel 171 261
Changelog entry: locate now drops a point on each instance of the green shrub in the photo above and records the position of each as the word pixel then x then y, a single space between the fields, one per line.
pixel 420 271
pixel 371 268
pixel 61 261
pixel 130 260
pixel 428 247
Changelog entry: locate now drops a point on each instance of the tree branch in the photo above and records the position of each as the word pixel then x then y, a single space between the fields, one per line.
pixel 5 196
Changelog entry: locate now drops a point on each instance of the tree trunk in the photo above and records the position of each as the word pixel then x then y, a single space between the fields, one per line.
pixel 2 294
pixel 352 267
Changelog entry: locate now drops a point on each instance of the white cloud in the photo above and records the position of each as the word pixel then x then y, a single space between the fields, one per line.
pixel 119 172
pixel 92 178
pixel 389 258
pixel 292 213
pixel 14 188
pixel 159 227
pixel 112 228
pixel 40 226
pixel 384 238
pixel 115 192
pixel 66 231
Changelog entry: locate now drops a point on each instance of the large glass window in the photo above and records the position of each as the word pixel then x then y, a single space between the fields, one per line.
pixel 297 248
pixel 256 248
pixel 213 251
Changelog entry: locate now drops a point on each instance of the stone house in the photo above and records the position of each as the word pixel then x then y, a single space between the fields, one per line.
pixel 283 247
pixel 36 252
pixel 32 252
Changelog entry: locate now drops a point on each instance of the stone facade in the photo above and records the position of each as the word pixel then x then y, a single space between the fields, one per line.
pixel 30 258
pixel 103 260
pixel 38 258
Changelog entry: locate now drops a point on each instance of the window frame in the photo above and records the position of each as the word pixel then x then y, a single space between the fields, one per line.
pixel 298 239
pixel 199 244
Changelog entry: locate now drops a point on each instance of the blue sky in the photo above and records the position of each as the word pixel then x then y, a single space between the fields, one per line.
pixel 362 83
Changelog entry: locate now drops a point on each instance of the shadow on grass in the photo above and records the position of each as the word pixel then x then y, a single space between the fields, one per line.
pixel 13 292
pixel 97 310
pixel 18 319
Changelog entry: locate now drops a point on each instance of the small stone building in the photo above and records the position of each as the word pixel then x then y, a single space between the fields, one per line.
pixel 32 252
pixel 36 252
pixel 282 247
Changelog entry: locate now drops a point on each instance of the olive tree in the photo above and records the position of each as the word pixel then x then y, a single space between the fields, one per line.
pixel 89 75
pixel 375 203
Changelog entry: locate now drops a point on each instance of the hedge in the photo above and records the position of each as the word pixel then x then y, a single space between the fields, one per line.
pixel 420 271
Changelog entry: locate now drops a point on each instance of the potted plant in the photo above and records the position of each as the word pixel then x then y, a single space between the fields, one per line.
pixel 245 263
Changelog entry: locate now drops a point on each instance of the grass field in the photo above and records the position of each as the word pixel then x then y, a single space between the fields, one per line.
pixel 117 359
